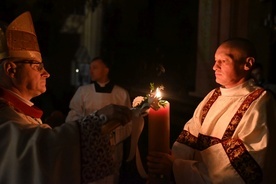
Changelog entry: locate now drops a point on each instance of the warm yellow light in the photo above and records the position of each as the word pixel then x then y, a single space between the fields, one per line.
pixel 158 93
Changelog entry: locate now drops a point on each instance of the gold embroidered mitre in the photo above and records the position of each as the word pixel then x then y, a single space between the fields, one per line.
pixel 21 39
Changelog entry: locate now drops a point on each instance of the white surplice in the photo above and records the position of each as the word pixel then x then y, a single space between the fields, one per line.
pixel 204 155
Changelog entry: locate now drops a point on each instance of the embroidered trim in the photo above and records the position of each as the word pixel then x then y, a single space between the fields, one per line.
pixel 240 112
pixel 242 161
pixel 96 152
pixel 210 102
pixel 187 138
pixel 200 143
pixel 102 117
pixel 239 157
pixel 205 141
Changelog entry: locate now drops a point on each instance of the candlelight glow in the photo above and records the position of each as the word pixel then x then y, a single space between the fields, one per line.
pixel 158 93
pixel 153 99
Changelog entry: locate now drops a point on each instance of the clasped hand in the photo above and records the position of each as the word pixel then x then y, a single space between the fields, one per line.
pixel 160 163
pixel 116 112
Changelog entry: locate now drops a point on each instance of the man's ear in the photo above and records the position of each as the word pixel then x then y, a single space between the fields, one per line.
pixel 10 68
pixel 249 63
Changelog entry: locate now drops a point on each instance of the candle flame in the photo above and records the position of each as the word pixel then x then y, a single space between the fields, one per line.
pixel 158 93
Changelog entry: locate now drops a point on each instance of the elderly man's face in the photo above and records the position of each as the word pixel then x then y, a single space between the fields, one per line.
pixel 30 78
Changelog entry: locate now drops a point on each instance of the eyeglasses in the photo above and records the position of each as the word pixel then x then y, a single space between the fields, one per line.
pixel 36 65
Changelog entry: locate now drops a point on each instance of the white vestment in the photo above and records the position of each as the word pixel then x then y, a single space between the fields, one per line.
pixel 86 100
pixel 34 153
pixel 210 149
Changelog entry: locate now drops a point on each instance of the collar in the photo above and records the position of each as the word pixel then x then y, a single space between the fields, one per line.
pixel 19 105
pixel 240 90
pixel 28 102
pixel 105 89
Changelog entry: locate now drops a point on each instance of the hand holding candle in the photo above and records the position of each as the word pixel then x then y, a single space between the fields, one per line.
pixel 158 111
pixel 159 134
pixel 159 118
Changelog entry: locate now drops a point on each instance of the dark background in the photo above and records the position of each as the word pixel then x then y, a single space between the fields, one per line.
pixel 139 36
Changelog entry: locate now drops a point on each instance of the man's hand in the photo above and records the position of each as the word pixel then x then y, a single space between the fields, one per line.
pixel 118 113
pixel 160 163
